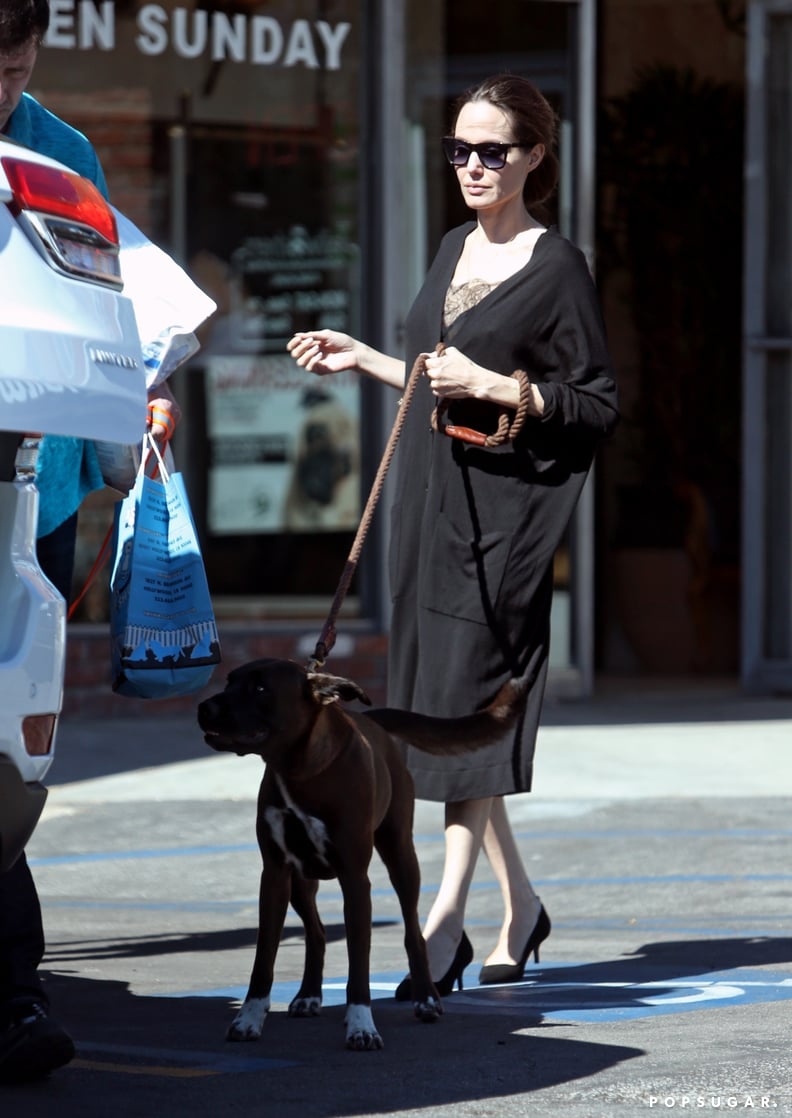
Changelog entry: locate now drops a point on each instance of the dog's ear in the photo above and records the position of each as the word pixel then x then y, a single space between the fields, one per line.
pixel 330 688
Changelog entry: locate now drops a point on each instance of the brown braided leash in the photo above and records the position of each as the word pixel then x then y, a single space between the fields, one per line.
pixel 507 431
pixel 510 421
pixel 328 634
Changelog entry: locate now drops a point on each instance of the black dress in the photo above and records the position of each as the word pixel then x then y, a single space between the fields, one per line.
pixel 474 530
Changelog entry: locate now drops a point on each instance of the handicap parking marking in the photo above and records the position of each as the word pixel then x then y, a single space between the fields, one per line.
pixel 574 1000
pixel 604 1001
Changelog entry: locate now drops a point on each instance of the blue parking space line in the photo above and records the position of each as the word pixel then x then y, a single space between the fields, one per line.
pixel 141 855
pixel 749 927
pixel 533 836
pixel 645 879
pixel 631 833
pixel 329 897
pixel 665 832
pixel 564 882
pixel 152 906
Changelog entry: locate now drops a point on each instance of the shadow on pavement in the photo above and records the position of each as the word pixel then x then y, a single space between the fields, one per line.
pixel 88 749
pixel 155 1056
pixel 139 1055
pixel 141 947
pixel 691 956
pixel 639 703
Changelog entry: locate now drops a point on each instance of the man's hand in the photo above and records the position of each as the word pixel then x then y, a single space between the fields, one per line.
pixel 163 413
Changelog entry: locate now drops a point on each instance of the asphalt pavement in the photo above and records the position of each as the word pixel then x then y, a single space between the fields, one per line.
pixel 658 836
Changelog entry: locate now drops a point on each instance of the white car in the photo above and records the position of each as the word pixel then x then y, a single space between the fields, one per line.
pixel 70 364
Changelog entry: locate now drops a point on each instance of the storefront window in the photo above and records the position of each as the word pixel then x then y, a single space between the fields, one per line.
pixel 231 135
pixel 246 138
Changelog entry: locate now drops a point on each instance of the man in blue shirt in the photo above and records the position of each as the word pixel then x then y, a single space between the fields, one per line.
pixel 67 468
pixel 31 1042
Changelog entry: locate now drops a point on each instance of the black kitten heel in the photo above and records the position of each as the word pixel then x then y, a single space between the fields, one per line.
pixel 513 972
pixel 445 985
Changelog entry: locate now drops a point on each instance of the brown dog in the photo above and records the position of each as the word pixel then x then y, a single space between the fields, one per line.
pixel 335 787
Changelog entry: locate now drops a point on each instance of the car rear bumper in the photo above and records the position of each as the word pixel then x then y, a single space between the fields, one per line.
pixel 32 636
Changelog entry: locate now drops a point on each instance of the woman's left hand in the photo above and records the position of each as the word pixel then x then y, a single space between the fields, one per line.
pixel 454 377
pixel 163 413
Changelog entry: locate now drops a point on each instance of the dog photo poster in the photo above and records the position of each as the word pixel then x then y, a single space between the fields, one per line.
pixel 285 447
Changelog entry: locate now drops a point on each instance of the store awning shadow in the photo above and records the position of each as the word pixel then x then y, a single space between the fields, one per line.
pixel 641 702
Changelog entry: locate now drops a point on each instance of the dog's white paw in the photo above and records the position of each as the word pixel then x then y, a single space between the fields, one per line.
pixel 305 1007
pixel 361 1032
pixel 428 1010
pixel 249 1022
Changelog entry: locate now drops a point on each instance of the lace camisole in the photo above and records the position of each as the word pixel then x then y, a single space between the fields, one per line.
pixel 462 296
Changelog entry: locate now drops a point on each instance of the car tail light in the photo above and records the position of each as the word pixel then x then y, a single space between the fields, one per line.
pixel 67 216
pixel 37 730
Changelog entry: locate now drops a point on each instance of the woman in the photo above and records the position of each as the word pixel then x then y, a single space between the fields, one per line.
pixel 474 529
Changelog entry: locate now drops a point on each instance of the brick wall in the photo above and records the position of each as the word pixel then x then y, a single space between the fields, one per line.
pixel 359 656
pixel 118 124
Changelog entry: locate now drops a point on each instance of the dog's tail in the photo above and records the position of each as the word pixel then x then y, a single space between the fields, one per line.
pixel 456 735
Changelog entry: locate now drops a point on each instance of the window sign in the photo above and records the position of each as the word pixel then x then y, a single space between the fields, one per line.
pixel 268 473
pixel 284 444
pixel 263 40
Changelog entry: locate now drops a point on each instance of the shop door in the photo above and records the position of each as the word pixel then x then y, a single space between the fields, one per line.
pixel 767 451
pixel 451 47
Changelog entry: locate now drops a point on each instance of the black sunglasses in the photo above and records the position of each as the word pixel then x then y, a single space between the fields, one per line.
pixel 492 154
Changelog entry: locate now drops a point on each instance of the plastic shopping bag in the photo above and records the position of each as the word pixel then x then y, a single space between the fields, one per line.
pixel 163 632
pixel 169 307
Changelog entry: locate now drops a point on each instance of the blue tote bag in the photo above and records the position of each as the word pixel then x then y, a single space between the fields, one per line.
pixel 163 632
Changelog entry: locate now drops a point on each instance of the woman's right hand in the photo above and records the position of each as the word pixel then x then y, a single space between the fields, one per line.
pixel 323 351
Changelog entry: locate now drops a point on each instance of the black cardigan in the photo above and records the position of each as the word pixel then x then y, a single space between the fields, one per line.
pixel 474 530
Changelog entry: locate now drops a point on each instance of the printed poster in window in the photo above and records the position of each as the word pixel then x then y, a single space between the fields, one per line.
pixel 285 453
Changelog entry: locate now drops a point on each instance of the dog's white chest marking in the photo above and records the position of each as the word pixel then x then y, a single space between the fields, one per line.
pixel 301 837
